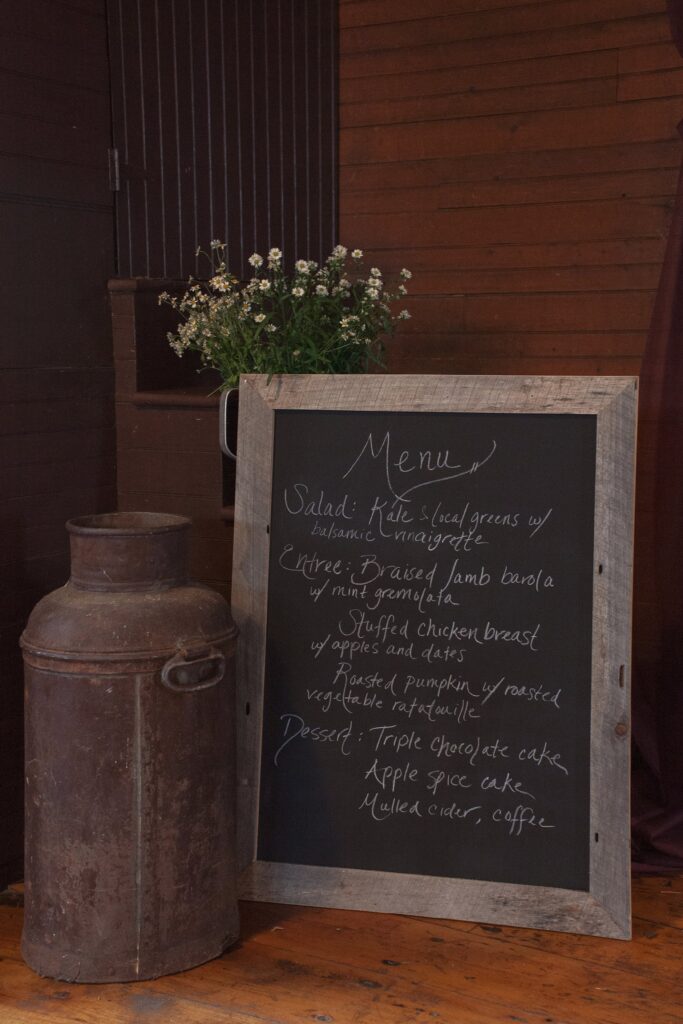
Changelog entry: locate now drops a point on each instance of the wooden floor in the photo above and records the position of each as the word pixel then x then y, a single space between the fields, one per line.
pixel 297 964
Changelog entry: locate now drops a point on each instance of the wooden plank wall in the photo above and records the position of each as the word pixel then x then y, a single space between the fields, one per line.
pixel 521 160
pixel 168 456
pixel 56 378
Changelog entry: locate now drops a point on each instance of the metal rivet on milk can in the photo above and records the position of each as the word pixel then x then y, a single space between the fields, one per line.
pixel 130 849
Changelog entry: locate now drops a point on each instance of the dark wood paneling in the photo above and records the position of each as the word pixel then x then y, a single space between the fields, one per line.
pixel 480 24
pixel 379 12
pixel 503 47
pixel 509 167
pixel 25 96
pixel 651 83
pixel 23 513
pixel 544 279
pixel 60 383
pixel 578 311
pixel 29 580
pixel 507 344
pixel 225 121
pixel 53 59
pixel 522 160
pixel 75 416
pixel 170 472
pixel 508 74
pixel 649 58
pixel 646 121
pixel 56 375
pixel 83 146
pixel 59 23
pixel 588 254
pixel 543 223
pixel 555 96
pixel 42 480
pixel 62 254
pixel 563 189
pixel 184 430
pixel 540 220
pixel 29 449
pixel 524 366
pixel 168 458
pixel 55 180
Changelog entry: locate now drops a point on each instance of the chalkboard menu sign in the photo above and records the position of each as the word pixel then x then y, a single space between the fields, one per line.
pixel 432 577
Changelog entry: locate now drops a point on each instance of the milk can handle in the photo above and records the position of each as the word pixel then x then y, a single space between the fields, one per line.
pixel 192 659
pixel 224 408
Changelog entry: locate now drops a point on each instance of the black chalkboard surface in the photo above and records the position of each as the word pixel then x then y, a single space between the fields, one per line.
pixel 428 691
pixel 429 645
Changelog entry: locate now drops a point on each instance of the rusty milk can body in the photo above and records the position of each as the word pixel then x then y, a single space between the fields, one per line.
pixel 130 850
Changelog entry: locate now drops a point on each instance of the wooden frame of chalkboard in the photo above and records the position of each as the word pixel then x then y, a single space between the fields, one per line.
pixel 529 848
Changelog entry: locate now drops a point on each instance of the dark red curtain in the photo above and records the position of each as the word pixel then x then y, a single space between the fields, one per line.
pixel 658 634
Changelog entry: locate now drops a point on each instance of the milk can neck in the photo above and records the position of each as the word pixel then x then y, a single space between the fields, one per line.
pixel 129 551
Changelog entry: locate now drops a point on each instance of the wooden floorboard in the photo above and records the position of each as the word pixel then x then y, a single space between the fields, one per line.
pixel 300 964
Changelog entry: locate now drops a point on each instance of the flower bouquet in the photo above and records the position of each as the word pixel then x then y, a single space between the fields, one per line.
pixel 331 318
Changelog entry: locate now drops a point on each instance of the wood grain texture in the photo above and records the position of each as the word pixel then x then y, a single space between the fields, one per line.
pixel 297 964
pixel 454 25
pixel 56 378
pixel 605 909
pixel 460 161
pixel 612 603
pixel 450 156
pixel 472 50
pixel 510 167
pixel 471 78
pixel 249 602
pixel 167 451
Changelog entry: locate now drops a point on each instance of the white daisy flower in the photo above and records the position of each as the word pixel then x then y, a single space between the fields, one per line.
pixel 320 289
pixel 255 260
pixel 298 292
pixel 357 254
pixel 406 275
pixel 259 318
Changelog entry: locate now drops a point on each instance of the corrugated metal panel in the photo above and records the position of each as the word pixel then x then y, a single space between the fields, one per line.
pixel 225 118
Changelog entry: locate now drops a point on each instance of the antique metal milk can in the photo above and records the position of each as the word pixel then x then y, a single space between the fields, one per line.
pixel 130 851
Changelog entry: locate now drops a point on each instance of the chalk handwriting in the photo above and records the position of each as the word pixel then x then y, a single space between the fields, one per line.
pixel 425 605
pixel 421 462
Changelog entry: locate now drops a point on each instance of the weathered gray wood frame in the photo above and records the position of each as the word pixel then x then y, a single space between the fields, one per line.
pixel 606 908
